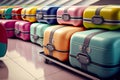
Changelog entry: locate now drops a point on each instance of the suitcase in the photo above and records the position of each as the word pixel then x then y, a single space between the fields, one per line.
pixel 8 13
pixel 9 26
pixel 57 39
pixel 22 30
pixel 37 32
pixel 3 41
pixel 16 13
pixel 70 15
pixel 96 51
pixel 2 13
pixel 29 14
pixel 105 17
pixel 47 14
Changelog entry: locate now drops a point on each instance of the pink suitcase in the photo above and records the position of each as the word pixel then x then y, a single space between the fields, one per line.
pixel 9 26
pixel 71 15
pixel 22 30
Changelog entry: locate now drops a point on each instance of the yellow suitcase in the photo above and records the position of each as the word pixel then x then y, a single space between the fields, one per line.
pixel 29 14
pixel 106 17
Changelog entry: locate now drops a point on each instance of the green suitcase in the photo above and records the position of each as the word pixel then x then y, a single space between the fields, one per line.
pixel 96 51
pixel 37 32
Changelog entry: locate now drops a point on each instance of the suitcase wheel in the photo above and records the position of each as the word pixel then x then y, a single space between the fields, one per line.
pixel 47 61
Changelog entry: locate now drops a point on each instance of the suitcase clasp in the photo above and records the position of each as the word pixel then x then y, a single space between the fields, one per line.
pixel 35 37
pixel 17 32
pixel 97 20
pixel 39 15
pixel 50 47
pixel 83 59
pixel 66 17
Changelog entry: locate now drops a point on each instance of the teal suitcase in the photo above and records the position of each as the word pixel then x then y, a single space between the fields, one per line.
pixel 8 13
pixel 96 51
pixel 37 33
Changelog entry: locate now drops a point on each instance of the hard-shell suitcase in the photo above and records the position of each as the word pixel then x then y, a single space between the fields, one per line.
pixel 57 39
pixel 47 15
pixel 29 14
pixel 96 51
pixel 22 30
pixel 16 13
pixel 106 17
pixel 37 32
pixel 71 15
pixel 3 41
pixel 2 13
pixel 9 26
pixel 8 13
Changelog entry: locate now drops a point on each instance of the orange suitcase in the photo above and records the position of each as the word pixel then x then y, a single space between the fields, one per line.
pixel 57 41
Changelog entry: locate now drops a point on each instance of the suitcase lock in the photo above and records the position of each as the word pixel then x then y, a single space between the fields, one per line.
pixel 50 47
pixel 17 32
pixel 83 59
pixel 97 20
pixel 66 17
pixel 35 37
pixel 39 15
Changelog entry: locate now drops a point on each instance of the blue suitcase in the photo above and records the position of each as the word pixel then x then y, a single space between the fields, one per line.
pixel 47 15
pixel 96 51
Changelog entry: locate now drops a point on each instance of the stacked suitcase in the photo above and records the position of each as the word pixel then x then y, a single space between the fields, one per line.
pixel 85 36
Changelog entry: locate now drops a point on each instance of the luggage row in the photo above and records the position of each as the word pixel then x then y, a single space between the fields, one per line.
pixel 96 50
pixel 104 16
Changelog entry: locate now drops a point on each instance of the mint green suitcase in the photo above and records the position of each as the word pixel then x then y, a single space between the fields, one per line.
pixel 37 32
pixel 96 51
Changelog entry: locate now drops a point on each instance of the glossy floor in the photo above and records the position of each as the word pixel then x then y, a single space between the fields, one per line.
pixel 23 62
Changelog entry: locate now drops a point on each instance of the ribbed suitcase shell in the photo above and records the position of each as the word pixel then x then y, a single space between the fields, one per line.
pixel 57 46
pixel 22 30
pixel 29 14
pixel 16 13
pixel 3 41
pixel 106 17
pixel 37 32
pixel 102 53
pixel 47 15
pixel 9 26
pixel 70 15
pixel 8 13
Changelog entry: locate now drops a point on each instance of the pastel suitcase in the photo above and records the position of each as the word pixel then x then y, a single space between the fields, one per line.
pixel 29 14
pixel 9 26
pixel 2 16
pixel 16 13
pixel 96 51
pixel 3 41
pixel 105 17
pixel 70 15
pixel 8 13
pixel 47 15
pixel 22 30
pixel 37 32
pixel 57 39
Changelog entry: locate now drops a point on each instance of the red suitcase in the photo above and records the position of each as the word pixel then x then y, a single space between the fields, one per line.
pixel 16 13
pixel 9 26
pixel 22 30
pixel 72 15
